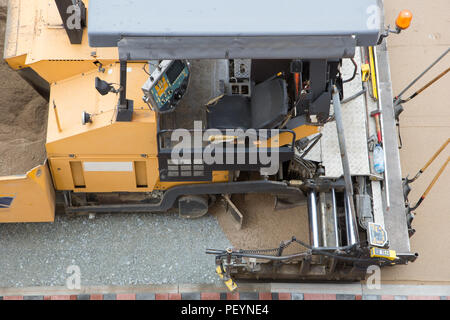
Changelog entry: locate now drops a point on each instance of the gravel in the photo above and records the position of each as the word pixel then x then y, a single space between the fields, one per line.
pixel 117 249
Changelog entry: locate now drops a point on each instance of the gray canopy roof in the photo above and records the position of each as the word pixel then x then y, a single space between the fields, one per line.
pixel 234 28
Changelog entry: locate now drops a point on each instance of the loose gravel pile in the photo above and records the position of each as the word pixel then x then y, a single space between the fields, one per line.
pixel 118 250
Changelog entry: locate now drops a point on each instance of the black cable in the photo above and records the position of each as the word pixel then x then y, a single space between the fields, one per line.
pixel 143 68
pixel 319 251
pixel 316 140
pixel 399 135
pixel 302 254
pixel 354 72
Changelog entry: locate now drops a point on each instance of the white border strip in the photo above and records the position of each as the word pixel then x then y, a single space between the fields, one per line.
pixel 108 166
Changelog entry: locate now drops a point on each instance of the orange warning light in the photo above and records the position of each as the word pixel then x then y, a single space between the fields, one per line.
pixel 404 19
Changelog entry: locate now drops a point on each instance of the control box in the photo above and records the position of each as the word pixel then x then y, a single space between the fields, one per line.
pixel 167 85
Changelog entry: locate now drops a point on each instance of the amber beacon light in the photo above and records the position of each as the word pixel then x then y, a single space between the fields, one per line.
pixel 403 22
pixel 404 19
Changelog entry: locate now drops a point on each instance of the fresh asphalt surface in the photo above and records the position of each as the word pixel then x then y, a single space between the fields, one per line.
pixel 118 250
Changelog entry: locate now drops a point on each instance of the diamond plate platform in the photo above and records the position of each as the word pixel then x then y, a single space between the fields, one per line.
pixel 355 127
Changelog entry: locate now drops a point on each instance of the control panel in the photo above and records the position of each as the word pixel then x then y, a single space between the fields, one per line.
pixel 167 85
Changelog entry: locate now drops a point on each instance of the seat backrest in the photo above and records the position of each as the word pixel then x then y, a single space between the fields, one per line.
pixel 269 105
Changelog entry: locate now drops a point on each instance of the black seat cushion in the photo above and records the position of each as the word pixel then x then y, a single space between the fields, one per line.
pixel 267 109
pixel 230 112
pixel 270 104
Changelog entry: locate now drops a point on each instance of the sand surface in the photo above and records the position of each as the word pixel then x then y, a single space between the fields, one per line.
pixel 23 119
pixel 264 228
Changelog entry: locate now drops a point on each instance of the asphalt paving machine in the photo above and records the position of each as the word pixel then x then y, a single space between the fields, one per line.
pixel 156 107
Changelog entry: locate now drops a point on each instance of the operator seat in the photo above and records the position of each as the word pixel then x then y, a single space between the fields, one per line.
pixel 266 109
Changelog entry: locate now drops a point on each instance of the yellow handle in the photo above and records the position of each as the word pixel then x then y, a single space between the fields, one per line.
pixel 365 69
pixel 373 73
